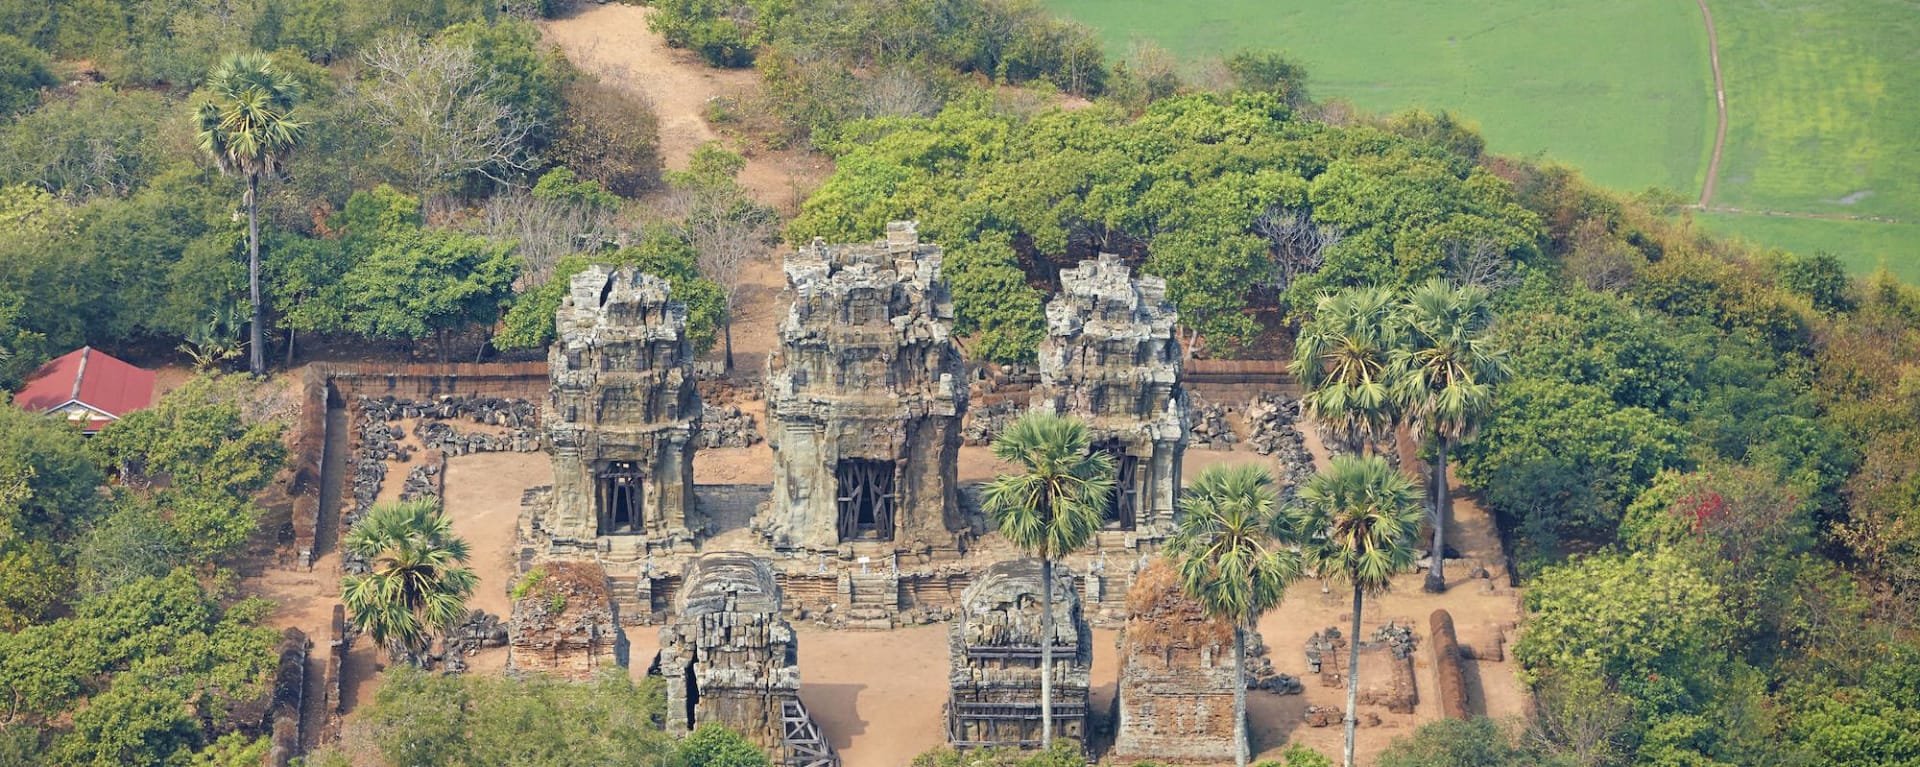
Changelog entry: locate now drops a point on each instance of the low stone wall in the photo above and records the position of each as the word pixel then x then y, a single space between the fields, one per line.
pixel 526 380
pixel 289 691
pixel 306 459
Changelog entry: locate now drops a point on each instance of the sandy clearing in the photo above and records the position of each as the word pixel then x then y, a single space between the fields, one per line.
pixel 483 500
pixel 877 695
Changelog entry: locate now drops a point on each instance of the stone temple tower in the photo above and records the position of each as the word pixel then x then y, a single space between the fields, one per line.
pixel 865 391
pixel 622 414
pixel 1112 359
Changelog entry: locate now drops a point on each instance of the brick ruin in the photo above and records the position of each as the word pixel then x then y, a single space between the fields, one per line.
pixel 729 656
pixel 1175 697
pixel 1111 357
pixel 865 394
pixel 994 644
pixel 563 624
pixel 622 416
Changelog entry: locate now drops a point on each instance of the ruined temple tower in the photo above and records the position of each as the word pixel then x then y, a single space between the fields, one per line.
pixel 865 392
pixel 1112 359
pixel 729 656
pixel 1175 696
pixel 993 696
pixel 622 415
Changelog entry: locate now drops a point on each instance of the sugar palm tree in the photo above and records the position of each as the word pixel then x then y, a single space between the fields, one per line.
pixel 1446 376
pixel 1232 562
pixel 246 126
pixel 418 582
pixel 1357 520
pixel 1051 509
pixel 1343 358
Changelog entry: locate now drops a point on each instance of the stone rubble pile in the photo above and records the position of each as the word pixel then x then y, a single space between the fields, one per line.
pixel 422 482
pixel 492 411
pixel 727 426
pixel 982 425
pixel 442 436
pixel 1273 428
pixel 481 630
pixel 1397 638
pixel 1210 430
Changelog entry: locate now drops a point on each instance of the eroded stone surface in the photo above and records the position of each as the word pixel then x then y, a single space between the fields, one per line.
pixel 623 404
pixel 1175 695
pixel 728 654
pixel 1112 359
pixel 562 623
pixel 865 371
pixel 994 645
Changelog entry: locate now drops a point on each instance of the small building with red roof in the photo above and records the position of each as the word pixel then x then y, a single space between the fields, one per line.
pixel 89 386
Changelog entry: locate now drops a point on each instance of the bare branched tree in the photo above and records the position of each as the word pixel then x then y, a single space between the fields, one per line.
pixel 1299 245
pixel 727 228
pixel 1481 264
pixel 898 92
pixel 431 101
pixel 546 230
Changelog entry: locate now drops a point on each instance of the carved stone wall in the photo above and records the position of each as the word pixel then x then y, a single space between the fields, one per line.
pixel 994 679
pixel 623 411
pixel 1175 697
pixel 865 394
pixel 728 655
pixel 1111 358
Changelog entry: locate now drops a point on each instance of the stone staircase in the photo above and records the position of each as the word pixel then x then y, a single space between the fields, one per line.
pixel 632 602
pixel 872 600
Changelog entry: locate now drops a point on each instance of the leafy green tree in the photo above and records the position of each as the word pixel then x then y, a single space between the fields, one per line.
pixel 1821 278
pixel 1231 562
pixel 1447 371
pixel 1648 624
pixel 1560 462
pixel 1357 521
pixel 529 322
pixel 484 721
pixel 715 745
pixel 99 141
pixel 418 582
pixel 1344 358
pixel 429 282
pixel 24 71
pixel 246 125
pixel 562 185
pixel 726 227
pixel 197 440
pixel 1269 71
pixel 1476 742
pixel 1051 510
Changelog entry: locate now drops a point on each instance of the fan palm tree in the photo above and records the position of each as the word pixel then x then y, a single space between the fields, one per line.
pixel 246 126
pixel 1052 509
pixel 1357 520
pixel 1232 563
pixel 418 582
pixel 1343 358
pixel 1446 376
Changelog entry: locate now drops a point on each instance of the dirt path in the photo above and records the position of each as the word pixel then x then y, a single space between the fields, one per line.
pixel 612 42
pixel 1720 102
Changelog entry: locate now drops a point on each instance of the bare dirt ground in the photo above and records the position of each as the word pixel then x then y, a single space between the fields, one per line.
pixel 612 42
pixel 483 500
pixel 876 694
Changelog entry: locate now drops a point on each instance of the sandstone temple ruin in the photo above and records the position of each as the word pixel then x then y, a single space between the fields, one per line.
pixel 622 416
pixel 994 680
pixel 729 656
pixel 1175 698
pixel 1111 358
pixel 865 393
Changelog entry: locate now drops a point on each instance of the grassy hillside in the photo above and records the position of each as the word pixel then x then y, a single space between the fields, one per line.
pixel 1823 95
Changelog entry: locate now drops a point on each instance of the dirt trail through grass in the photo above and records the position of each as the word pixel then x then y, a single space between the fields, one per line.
pixel 1720 107
pixel 613 42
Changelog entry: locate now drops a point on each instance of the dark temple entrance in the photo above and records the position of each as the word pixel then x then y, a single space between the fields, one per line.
pixel 1123 504
pixel 618 499
pixel 865 499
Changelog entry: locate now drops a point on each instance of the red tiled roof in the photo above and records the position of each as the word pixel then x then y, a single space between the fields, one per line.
pixel 92 378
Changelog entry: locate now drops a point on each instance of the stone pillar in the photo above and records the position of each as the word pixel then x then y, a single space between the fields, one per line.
pixel 622 404
pixel 867 384
pixel 993 696
pixel 1175 697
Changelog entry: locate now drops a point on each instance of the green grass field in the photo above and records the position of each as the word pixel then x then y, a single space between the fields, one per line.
pixel 1823 95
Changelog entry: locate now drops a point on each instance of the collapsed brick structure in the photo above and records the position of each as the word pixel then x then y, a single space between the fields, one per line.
pixel 1111 358
pixel 1175 697
pixel 728 655
pixel 865 394
pixel 622 416
pixel 994 680
pixel 562 622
